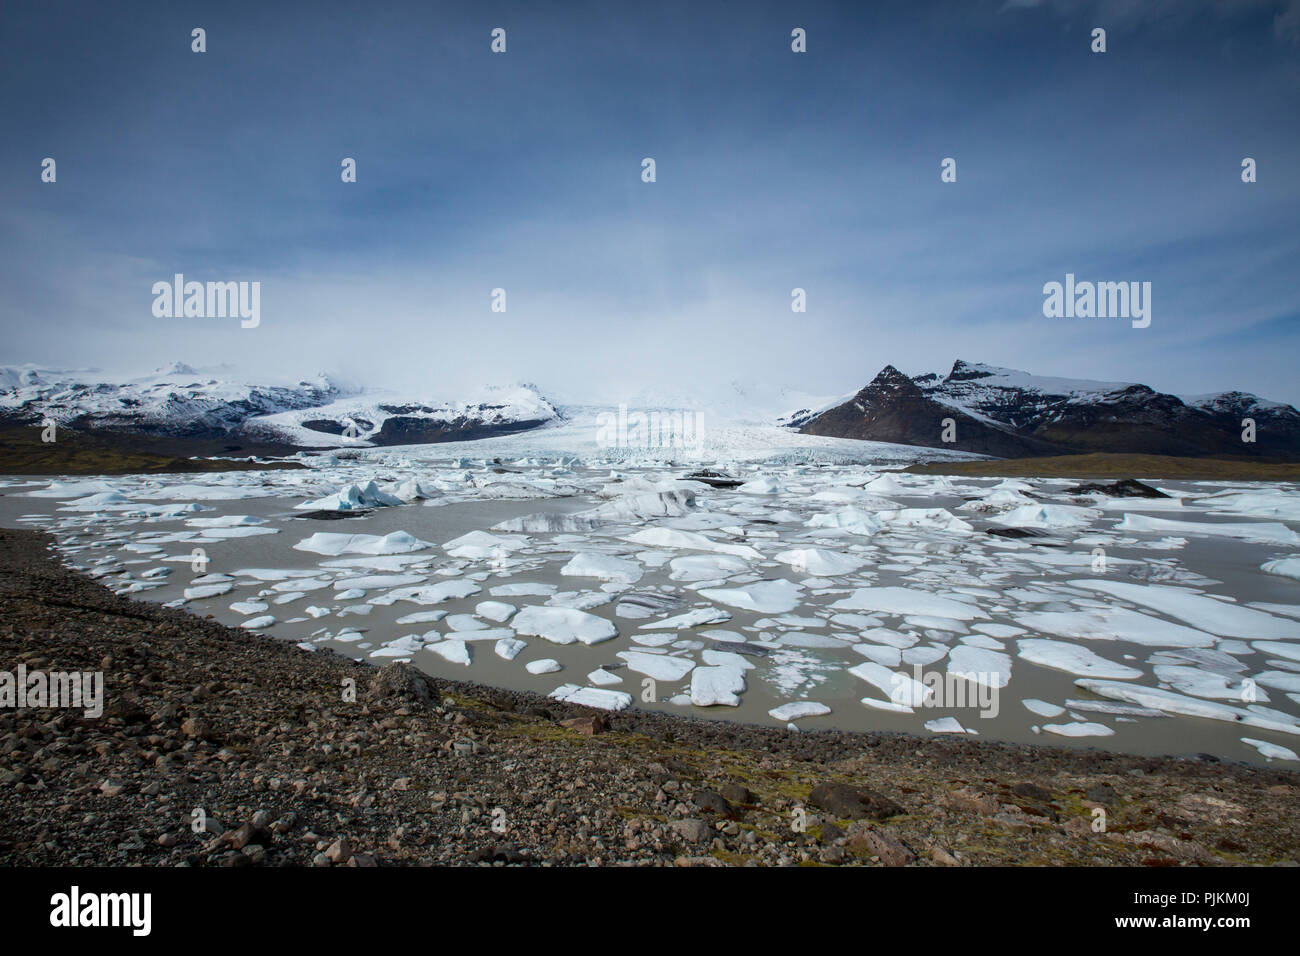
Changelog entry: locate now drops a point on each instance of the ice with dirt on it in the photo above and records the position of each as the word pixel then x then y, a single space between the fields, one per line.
pixel 562 625
pixel 1286 567
pixel 925 519
pixel 396 542
pixel 1271 751
pixel 696 617
pixel 1073 659
pixel 353 498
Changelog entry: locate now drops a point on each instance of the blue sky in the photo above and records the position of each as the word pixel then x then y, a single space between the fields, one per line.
pixel 775 170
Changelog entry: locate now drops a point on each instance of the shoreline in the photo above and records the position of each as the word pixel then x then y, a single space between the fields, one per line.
pixel 421 770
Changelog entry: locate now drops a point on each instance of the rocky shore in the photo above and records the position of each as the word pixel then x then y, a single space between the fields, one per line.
pixel 221 747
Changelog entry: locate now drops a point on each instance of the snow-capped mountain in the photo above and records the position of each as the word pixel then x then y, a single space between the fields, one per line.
pixel 389 418
pixel 176 401
pixel 181 403
pixel 987 410
pixel 1009 413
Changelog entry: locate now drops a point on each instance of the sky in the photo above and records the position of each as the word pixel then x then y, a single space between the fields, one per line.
pixel 775 170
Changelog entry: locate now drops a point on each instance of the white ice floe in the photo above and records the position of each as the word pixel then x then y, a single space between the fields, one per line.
pixel 562 625
pixel 1115 624
pixel 547 665
pixel 1278 648
pixel 480 544
pixel 1206 613
pixel 717 686
pixel 819 561
pixel 798 709
pixel 605 567
pixel 1048 517
pixel 1266 532
pixel 945 725
pixel 696 617
pixel 508 648
pixel 592 697
pixel 765 597
pixel 397 542
pixel 498 611
pixel 903 600
pixel 981 665
pixel 1042 707
pixel 658 666
pixel 900 688
pixel 1286 567
pixel 225 521
pixel 761 486
pixel 690 541
pixel 1073 659
pixel 1081 728
pixel 428 594
pixel 1271 751
pixel 454 651
pixel 849 521
pixel 208 590
pixel 249 607
pixel 1173 703
pixel 705 567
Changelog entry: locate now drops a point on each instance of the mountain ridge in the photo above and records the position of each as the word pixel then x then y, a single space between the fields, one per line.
pixel 989 410
pixel 1008 413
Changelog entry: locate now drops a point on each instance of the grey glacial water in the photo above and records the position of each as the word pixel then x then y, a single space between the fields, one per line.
pixel 789 672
